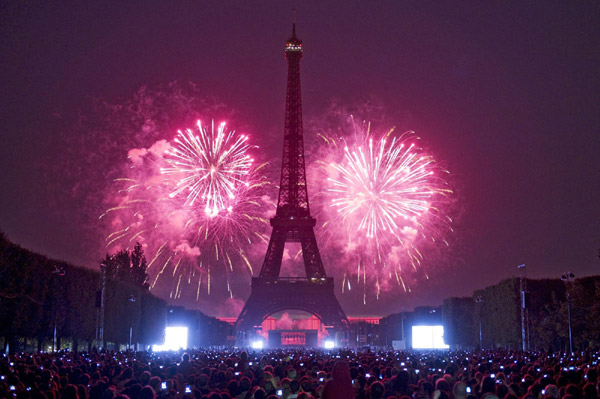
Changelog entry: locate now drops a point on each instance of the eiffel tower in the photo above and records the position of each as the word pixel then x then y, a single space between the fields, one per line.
pixel 270 292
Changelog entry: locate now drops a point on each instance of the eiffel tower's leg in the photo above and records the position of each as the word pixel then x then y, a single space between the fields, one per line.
pixel 310 252
pixel 272 263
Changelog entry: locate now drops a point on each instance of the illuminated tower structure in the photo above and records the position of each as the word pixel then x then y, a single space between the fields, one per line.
pixel 292 223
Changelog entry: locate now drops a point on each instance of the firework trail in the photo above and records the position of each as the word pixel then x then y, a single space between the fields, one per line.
pixel 389 195
pixel 196 203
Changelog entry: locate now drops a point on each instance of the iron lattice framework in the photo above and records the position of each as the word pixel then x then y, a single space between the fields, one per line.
pixel 292 223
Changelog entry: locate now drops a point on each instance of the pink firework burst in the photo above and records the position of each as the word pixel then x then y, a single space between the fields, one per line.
pixel 196 203
pixel 379 189
pixel 209 167
pixel 389 195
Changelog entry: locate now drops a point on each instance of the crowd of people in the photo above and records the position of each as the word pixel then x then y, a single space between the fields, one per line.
pixel 300 374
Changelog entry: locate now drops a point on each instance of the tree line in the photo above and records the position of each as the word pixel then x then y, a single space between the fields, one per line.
pixel 491 318
pixel 39 296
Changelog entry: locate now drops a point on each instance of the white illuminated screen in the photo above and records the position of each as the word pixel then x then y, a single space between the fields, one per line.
pixel 257 345
pixel 329 344
pixel 175 339
pixel 428 337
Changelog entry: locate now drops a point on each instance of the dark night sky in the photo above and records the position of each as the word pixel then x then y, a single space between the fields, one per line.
pixel 505 93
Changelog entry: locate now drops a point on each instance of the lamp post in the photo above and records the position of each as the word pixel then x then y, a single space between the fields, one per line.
pixel 479 300
pixel 403 332
pixel 58 272
pixel 568 276
pixel 131 300
pixel 523 307
pixel 100 336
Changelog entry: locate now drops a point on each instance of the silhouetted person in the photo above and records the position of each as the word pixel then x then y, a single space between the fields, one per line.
pixel 339 386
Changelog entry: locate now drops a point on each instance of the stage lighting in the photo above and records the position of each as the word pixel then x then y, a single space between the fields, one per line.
pixel 329 344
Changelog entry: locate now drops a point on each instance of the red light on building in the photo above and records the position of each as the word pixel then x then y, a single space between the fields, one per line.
pixel 292 338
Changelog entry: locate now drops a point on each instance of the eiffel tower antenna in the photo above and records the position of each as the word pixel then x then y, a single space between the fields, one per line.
pixel 294 21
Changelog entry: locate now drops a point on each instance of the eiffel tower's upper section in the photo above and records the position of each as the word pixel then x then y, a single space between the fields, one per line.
pixel 293 197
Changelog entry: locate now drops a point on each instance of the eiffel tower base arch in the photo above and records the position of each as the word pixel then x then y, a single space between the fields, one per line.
pixel 269 296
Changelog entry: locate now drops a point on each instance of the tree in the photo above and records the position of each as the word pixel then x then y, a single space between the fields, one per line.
pixel 139 267
pixel 549 322
pixel 127 267
pixel 549 325
pixel 458 319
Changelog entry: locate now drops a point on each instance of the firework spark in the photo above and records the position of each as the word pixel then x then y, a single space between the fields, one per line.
pixel 389 194
pixel 196 203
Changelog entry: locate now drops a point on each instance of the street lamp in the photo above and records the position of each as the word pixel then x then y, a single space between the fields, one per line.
pixel 101 310
pixel 568 276
pixel 58 272
pixel 131 300
pixel 479 299
pixel 524 343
